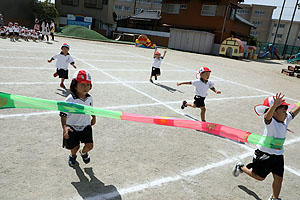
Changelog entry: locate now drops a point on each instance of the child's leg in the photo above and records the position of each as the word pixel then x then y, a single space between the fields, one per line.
pixel 62 81
pixel 87 147
pixel 74 150
pixel 191 105
pixel 203 110
pixel 47 38
pixel 277 183
pixel 251 173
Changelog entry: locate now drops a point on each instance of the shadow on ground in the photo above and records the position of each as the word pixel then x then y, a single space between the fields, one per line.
pixel 250 192
pixel 64 92
pixel 169 89
pixel 92 188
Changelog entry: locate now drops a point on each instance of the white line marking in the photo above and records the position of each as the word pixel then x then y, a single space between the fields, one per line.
pixel 293 171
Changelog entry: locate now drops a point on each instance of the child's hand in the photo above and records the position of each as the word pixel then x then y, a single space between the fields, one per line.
pixel 218 92
pixel 178 84
pixel 66 132
pixel 278 99
pixel 74 66
pixel 93 122
pixel 49 61
pixel 165 51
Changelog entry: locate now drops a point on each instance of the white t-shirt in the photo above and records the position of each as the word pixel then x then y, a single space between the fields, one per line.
pixel 78 121
pixel 157 62
pixel 62 60
pixel 16 29
pixel 10 29
pixel 201 88
pixel 277 130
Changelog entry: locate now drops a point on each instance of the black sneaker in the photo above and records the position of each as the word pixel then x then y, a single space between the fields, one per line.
pixel 85 157
pixel 183 105
pixel 151 80
pixel 72 160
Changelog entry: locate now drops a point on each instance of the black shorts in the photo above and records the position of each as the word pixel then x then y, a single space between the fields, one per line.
pixel 77 137
pixel 264 163
pixel 155 71
pixel 199 101
pixel 62 73
pixel 16 34
pixel 10 33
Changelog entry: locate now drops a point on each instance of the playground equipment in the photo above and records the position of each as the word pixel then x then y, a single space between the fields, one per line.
pixel 291 71
pixel 232 47
pixel 251 52
pixel 295 59
pixel 270 51
pixel 143 41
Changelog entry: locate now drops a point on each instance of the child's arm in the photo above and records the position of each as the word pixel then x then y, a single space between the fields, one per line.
pixel 296 110
pixel 50 60
pixel 278 99
pixel 164 54
pixel 184 83
pixel 154 52
pixel 66 129
pixel 93 122
pixel 73 64
pixel 216 91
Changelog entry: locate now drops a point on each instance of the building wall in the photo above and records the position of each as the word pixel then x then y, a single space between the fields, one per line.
pixel 260 16
pixel 190 16
pixel 17 11
pixel 294 36
pixel 102 15
pixel 125 8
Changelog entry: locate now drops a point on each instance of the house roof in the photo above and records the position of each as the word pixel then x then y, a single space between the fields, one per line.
pixel 239 18
pixel 148 14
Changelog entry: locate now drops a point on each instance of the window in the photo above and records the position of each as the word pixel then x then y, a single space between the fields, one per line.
pixel 144 1
pixel 281 25
pixel 157 1
pixel 242 11
pixel 126 8
pixel 260 12
pixel 254 33
pixel 257 23
pixel 105 2
pixel 138 10
pixel 298 38
pixel 173 8
pixel 279 35
pixel 70 2
pixel 209 10
pixel 273 34
pixel 90 3
pixel 118 7
pixel 275 24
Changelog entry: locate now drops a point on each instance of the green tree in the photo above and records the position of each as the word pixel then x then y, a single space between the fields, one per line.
pixel 45 10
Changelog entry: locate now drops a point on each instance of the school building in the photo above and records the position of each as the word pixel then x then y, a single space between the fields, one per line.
pixel 17 11
pixel 101 11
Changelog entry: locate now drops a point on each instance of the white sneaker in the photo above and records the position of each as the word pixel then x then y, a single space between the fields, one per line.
pixel 236 171
pixel 271 198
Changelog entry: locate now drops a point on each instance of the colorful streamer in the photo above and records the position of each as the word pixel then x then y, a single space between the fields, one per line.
pixel 17 101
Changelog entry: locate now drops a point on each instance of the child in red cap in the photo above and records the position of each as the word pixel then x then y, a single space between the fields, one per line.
pixel 63 59
pixel 77 128
pixel 267 160
pixel 156 64
pixel 201 87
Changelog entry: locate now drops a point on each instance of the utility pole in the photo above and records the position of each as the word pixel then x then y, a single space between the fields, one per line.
pixel 134 7
pixel 291 24
pixel 278 23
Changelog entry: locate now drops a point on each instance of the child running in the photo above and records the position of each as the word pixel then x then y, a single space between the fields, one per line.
pixel 156 64
pixel 77 128
pixel 201 87
pixel 267 160
pixel 63 59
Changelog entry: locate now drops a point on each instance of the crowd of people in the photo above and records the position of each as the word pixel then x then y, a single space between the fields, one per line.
pixel 15 32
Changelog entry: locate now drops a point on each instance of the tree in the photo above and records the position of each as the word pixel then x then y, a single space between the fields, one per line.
pixel 45 10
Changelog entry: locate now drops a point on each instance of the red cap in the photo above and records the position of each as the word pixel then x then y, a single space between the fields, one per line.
pixel 157 53
pixel 65 45
pixel 204 69
pixel 268 102
pixel 82 76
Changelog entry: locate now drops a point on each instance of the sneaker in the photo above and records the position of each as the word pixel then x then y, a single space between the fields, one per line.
pixel 72 160
pixel 151 80
pixel 85 157
pixel 156 78
pixel 183 105
pixel 55 74
pixel 236 171
pixel 62 86
pixel 271 198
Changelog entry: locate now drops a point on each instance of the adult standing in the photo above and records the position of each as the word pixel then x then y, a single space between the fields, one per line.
pixel 45 30
pixel 52 29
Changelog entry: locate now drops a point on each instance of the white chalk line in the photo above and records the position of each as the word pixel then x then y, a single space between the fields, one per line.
pixel 128 106
pixel 104 69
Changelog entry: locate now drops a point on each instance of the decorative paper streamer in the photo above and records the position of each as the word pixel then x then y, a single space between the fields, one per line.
pixel 293 106
pixel 17 101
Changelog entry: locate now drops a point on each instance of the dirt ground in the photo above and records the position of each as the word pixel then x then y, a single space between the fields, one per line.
pixel 133 160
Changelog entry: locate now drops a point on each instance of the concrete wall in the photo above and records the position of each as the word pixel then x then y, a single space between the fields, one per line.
pixel 17 11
